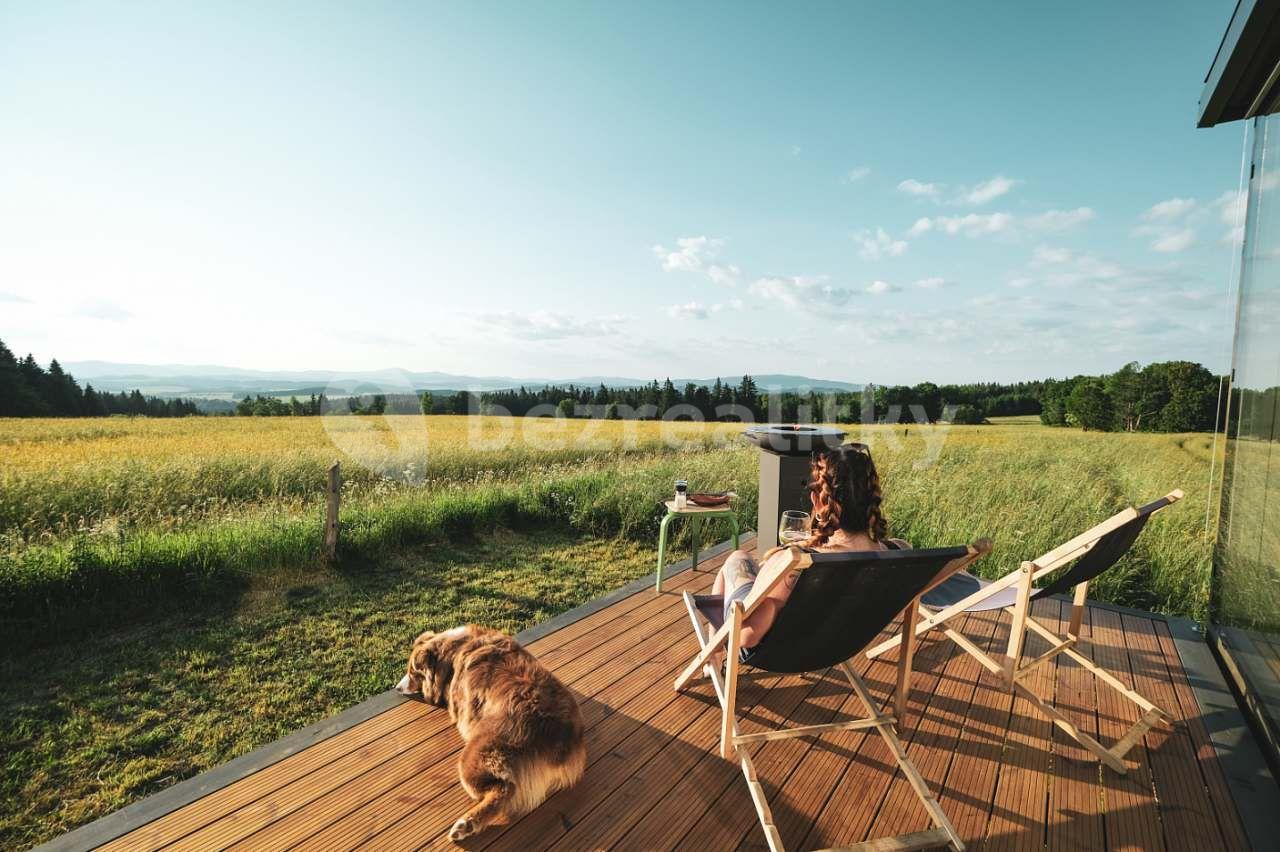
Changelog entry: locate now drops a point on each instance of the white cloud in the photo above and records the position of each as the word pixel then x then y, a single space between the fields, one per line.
pixel 1070 304
pixel 1046 256
pixel 922 225
pixel 690 310
pixel 970 225
pixel 931 283
pixel 1083 273
pixel 1172 225
pixel 1174 242
pixel 855 175
pixel 879 288
pixel 690 254
pixel 695 254
pixel 980 193
pixel 797 290
pixel 1231 212
pixel 1173 208
pixel 989 190
pixel 14 298
pixel 878 245
pixel 1230 206
pixel 911 186
pixel 982 224
pixel 1060 220
pixel 551 325
pixel 727 275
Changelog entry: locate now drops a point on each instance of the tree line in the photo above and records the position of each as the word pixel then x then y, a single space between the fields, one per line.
pixel 29 390
pixel 923 402
pixel 1169 396
pixel 273 406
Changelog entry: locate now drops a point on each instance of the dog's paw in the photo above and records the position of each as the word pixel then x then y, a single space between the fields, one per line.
pixel 462 829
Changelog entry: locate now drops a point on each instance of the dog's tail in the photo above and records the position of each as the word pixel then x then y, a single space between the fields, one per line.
pixel 542 776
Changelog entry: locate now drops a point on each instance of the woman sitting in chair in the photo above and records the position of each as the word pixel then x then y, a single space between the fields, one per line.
pixel 844 491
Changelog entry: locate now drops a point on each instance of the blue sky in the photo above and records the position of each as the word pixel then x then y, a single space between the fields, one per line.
pixel 882 192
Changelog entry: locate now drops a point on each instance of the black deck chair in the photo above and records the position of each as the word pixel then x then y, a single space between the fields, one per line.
pixel 1092 552
pixel 841 602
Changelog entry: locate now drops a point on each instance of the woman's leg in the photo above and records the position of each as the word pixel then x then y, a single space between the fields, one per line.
pixel 728 570
pixel 738 570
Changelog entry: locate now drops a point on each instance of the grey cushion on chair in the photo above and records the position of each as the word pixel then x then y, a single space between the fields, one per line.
pixel 960 585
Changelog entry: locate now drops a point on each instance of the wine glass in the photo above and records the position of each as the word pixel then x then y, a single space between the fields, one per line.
pixel 794 527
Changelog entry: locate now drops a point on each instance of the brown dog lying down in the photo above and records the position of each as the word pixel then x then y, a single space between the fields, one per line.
pixel 520 725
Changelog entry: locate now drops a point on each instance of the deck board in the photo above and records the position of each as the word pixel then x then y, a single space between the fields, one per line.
pixel 967 798
pixel 1132 819
pixel 937 727
pixel 1018 813
pixel 1214 782
pixel 1075 812
pixel 655 780
pixel 1185 809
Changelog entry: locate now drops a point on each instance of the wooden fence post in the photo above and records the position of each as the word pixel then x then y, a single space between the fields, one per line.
pixel 333 495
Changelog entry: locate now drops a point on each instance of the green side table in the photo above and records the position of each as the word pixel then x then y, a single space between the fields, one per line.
pixel 696 515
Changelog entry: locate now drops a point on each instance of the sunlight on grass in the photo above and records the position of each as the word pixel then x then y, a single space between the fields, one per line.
pixel 110 529
pixel 89 726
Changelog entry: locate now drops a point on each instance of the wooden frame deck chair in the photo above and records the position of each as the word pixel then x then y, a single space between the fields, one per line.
pixel 841 602
pixel 1093 552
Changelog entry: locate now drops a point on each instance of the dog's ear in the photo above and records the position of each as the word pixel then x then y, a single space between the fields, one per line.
pixel 434 668
pixel 441 678
pixel 419 672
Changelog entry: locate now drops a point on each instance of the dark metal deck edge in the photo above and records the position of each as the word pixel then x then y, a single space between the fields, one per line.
pixel 131 817
pixel 1241 669
pixel 1253 788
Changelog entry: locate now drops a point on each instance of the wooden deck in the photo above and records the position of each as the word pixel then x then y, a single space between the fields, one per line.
pixel 1005 777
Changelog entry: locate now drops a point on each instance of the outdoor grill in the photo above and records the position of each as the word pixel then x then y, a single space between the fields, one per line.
pixel 784 471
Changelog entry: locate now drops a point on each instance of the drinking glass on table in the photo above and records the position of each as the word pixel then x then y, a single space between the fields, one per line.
pixel 794 527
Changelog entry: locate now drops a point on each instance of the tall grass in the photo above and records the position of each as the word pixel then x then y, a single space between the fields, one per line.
pixel 65 476
pixel 103 519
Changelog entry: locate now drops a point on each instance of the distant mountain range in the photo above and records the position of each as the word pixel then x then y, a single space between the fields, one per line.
pixel 214 382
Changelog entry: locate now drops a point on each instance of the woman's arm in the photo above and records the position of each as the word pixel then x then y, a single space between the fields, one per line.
pixel 777 562
pixel 758 623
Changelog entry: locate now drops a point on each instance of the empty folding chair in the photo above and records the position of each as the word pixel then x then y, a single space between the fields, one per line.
pixel 1093 552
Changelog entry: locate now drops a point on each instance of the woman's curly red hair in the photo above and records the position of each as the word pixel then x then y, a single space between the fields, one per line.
pixel 845 491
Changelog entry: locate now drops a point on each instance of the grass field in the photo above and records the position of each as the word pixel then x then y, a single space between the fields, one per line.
pixel 102 519
pixel 89 725
pixel 186 551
